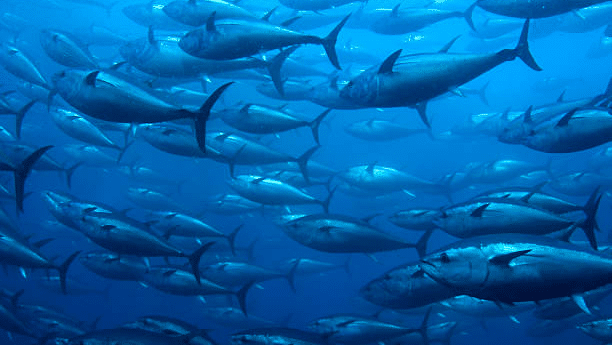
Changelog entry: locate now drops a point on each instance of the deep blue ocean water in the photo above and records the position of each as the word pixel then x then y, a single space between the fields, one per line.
pixel 511 85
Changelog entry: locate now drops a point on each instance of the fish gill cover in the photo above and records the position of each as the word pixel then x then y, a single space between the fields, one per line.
pixel 305 172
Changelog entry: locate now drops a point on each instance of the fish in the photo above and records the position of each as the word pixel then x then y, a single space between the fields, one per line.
pixel 114 266
pixel 20 65
pixel 66 49
pixel 381 130
pixel 264 336
pixel 401 21
pixel 261 119
pixel 479 308
pixel 334 233
pixel 232 274
pixel 178 282
pixel 497 216
pixel 124 236
pixel 78 127
pixel 110 98
pixel 234 318
pixel 152 14
pixel 316 5
pixel 599 329
pixel 518 268
pixel 126 335
pixel 233 38
pixel 172 327
pixel 527 9
pixel 352 329
pixel 162 57
pixel 233 149
pixel 269 191
pixel 416 219
pixel 382 179
pixel 578 130
pixel 405 287
pixel 196 13
pixel 562 308
pixel 414 79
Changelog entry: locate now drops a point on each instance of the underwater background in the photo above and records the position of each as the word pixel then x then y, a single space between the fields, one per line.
pixel 577 64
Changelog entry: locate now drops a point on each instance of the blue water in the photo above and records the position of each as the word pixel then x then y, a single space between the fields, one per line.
pixel 512 85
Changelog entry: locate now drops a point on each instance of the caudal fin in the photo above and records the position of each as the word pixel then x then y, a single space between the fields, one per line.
pixel 63 269
pixel 194 260
pixel 291 275
pixel 605 98
pixel 22 171
pixel 590 223
pixel 70 172
pixel 274 68
pixel 204 113
pixel 19 117
pixel 522 49
pixel 482 93
pixel 302 162
pixel 468 14
pixel 242 295
pixel 314 125
pixel 325 203
pixel 421 245
pixel 329 43
pixel 423 329
pixel 231 238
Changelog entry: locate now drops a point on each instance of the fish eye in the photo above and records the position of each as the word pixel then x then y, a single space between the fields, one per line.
pixel 444 258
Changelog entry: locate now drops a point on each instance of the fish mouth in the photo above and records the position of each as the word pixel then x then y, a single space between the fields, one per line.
pixel 427 263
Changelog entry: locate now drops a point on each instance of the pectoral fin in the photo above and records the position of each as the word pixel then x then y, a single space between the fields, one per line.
pixel 505 259
pixel 581 303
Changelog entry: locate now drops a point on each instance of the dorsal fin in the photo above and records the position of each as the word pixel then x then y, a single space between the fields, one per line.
pixel 223 136
pixel 210 23
pixel 258 180
pixel 345 323
pixel 369 218
pixel 505 114
pixel 245 108
pixel 151 36
pixel 169 273
pixel 333 83
pixel 387 65
pixel 528 196
pixel 478 211
pixel 448 45
pixel 266 17
pixel 527 115
pixel 577 13
pixel 561 97
pixel 370 167
pixel 565 119
pixel 289 21
pixel 39 244
pixel 395 10
pixel 90 79
pixel 327 228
